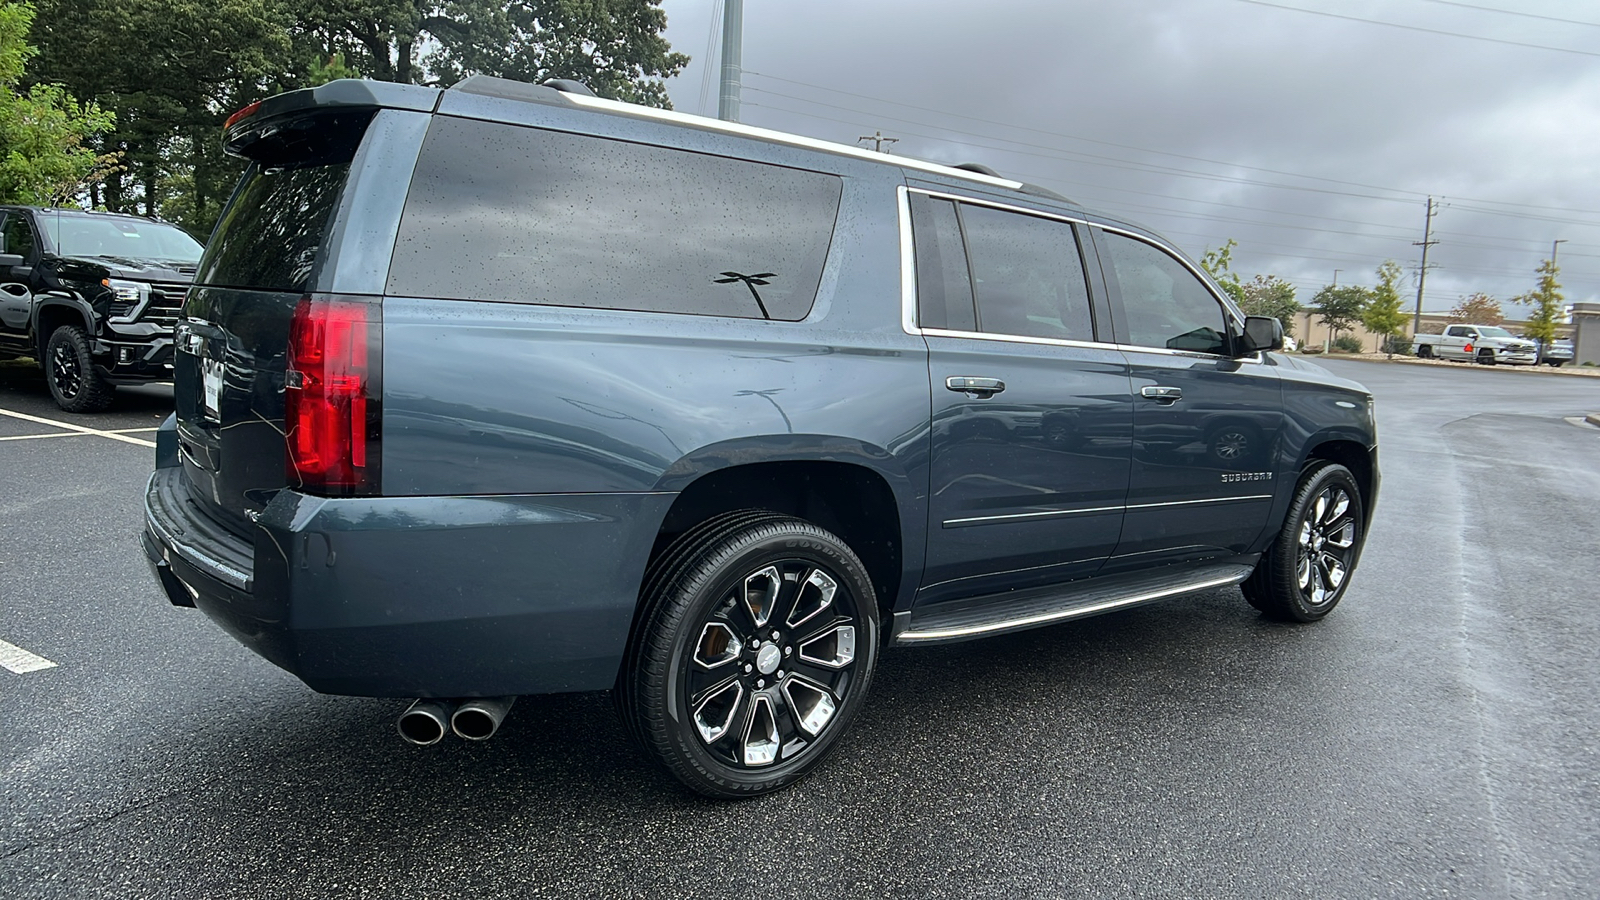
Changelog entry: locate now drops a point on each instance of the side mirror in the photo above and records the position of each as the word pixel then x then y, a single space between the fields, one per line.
pixel 1260 333
pixel 7 260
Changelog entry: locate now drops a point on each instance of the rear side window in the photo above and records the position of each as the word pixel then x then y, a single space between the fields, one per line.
pixel 271 236
pixel 1028 275
pixel 513 214
pixel 944 290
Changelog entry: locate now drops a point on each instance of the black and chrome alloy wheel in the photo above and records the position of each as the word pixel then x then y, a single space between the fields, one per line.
pixel 66 375
pixel 1307 568
pixel 1327 546
pixel 754 654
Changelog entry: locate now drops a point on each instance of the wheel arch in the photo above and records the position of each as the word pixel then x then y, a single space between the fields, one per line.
pixel 1355 456
pixel 872 508
pixel 55 312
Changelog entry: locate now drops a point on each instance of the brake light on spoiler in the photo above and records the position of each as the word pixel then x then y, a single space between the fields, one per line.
pixel 333 396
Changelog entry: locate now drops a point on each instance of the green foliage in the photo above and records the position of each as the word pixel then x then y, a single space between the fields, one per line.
pixel 1347 343
pixel 1397 345
pixel 1546 300
pixel 1478 309
pixel 1220 264
pixel 1381 314
pixel 1340 308
pixel 1269 295
pixel 46 151
pixel 173 70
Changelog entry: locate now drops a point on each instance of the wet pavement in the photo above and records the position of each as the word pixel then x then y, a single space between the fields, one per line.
pixel 1436 736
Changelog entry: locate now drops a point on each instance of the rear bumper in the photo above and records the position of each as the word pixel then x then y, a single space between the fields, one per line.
pixel 416 596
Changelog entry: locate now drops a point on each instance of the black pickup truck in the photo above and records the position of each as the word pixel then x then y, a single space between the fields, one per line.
pixel 93 297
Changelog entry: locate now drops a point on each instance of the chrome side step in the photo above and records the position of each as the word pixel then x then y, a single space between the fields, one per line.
pixel 999 613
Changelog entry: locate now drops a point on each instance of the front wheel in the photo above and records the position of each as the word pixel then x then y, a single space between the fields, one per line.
pixel 69 370
pixel 1486 357
pixel 1304 573
pixel 752 654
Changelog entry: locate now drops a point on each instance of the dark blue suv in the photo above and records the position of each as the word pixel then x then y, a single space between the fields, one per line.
pixel 505 389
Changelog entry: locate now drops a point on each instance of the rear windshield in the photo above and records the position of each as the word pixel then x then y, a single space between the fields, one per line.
pixel 271 236
pixel 522 215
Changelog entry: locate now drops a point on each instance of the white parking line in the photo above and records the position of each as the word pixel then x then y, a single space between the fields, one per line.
pixel 78 428
pixel 20 661
pixel 56 434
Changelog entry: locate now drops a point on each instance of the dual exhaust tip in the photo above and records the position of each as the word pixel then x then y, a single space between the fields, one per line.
pixel 426 721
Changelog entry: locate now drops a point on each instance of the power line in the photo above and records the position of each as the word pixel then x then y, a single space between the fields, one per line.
pixel 1414 193
pixel 1470 37
pixel 1512 12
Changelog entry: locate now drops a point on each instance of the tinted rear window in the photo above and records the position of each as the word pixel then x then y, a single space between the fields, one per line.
pixel 271 235
pixel 513 214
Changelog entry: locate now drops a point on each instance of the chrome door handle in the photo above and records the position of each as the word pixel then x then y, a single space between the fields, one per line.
pixel 1161 394
pixel 978 387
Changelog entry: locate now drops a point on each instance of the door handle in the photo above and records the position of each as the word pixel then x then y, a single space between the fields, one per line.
pixel 1161 393
pixel 978 387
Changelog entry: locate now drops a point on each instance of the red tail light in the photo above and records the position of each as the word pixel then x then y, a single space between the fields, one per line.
pixel 332 395
pixel 243 113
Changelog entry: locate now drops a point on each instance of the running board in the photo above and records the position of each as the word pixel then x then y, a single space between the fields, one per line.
pixel 962 620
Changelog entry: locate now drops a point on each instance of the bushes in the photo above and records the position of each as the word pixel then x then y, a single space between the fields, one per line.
pixel 1347 343
pixel 1397 345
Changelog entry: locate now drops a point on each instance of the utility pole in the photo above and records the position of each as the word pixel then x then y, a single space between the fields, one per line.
pixel 878 140
pixel 1327 338
pixel 732 60
pixel 1422 275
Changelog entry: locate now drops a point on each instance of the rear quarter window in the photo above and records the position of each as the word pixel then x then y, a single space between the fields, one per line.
pixel 514 214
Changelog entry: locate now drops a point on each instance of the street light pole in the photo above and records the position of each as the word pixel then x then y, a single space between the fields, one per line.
pixel 1554 246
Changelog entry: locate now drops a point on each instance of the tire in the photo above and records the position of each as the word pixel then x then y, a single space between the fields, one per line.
pixel 1424 352
pixel 1486 357
pixel 1557 364
pixel 754 650
pixel 1299 579
pixel 69 371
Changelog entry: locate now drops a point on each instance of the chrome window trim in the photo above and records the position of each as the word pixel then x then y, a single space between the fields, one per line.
pixel 908 264
pixel 783 137
pixel 1016 339
pixel 1235 316
pixel 985 520
pixel 1073 612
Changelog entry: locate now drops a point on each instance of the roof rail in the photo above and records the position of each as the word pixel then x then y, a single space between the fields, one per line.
pixel 568 86
pixel 980 168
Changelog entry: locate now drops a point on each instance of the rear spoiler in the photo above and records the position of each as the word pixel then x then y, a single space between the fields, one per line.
pixel 247 126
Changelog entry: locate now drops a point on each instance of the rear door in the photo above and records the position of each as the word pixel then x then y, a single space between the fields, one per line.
pixel 308 218
pixel 16 300
pixel 1031 412
pixel 1206 426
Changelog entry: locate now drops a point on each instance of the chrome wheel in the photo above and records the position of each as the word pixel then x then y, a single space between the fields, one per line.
pixel 1327 545
pixel 1308 566
pixel 772 664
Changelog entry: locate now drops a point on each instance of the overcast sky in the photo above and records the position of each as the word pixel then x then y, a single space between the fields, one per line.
pixel 1313 140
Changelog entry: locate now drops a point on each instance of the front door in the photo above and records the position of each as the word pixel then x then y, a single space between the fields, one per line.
pixel 1206 426
pixel 1031 414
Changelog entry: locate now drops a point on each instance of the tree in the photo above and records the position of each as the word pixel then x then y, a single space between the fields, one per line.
pixel 1478 309
pixel 1220 264
pixel 1546 300
pixel 1269 295
pixel 46 152
pixel 1339 308
pixel 1381 313
pixel 613 46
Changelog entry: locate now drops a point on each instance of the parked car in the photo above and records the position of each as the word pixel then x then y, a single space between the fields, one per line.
pixel 1557 354
pixel 608 397
pixel 1486 344
pixel 93 297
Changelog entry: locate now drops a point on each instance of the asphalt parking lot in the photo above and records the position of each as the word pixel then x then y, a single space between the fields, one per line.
pixel 1437 736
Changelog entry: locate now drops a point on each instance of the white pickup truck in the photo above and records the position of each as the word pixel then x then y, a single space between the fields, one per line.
pixel 1487 344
